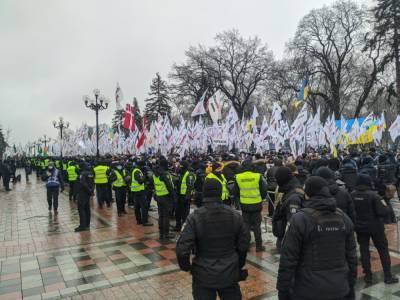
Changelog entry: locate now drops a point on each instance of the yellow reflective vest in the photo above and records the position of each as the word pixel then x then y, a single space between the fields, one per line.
pixel 223 181
pixel 136 186
pixel 72 175
pixel 160 187
pixel 100 174
pixel 119 182
pixel 249 186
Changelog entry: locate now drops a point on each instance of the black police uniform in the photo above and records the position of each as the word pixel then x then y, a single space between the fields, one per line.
pixel 220 240
pixel 164 203
pixel 318 256
pixel 370 211
pixel 84 190
pixel 288 205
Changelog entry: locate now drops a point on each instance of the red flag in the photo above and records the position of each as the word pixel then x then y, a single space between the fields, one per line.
pixel 127 120
pixel 133 119
pixel 142 137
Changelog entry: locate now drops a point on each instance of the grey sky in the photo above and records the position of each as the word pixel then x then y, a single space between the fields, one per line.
pixel 54 51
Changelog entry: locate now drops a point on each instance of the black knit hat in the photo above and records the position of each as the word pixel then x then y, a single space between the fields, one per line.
pixel 325 173
pixel 364 179
pixel 212 188
pixel 314 185
pixel 283 175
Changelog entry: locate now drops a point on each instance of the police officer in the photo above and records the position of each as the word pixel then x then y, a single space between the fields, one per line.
pixel 251 188
pixel 318 256
pixel 138 191
pixel 288 200
pixel 119 186
pixel 54 184
pixel 72 172
pixel 342 197
pixel 84 189
pixel 6 175
pixel 216 173
pixel 164 195
pixel 220 240
pixel 370 211
pixel 186 189
pixel 101 173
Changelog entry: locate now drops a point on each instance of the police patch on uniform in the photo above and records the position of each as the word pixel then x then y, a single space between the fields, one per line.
pixel 293 210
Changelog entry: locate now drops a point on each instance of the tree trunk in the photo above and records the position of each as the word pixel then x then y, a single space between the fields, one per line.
pixel 396 46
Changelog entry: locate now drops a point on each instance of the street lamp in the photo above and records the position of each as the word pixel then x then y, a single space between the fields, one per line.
pixel 61 125
pixel 99 103
pixel 45 140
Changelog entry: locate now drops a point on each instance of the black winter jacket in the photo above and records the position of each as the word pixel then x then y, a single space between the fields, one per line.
pixel 343 199
pixel 318 271
pixel 220 240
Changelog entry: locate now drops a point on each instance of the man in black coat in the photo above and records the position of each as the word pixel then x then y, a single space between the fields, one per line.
pixel 342 197
pixel 220 239
pixel 318 256
pixel 371 209
pixel 5 172
pixel 288 201
pixel 84 190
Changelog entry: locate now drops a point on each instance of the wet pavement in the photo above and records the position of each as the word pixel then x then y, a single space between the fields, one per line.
pixel 41 257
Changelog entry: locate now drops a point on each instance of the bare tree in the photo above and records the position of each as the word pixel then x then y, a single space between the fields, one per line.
pixel 239 66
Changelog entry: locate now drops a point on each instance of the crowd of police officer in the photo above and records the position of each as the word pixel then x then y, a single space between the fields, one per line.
pixel 316 202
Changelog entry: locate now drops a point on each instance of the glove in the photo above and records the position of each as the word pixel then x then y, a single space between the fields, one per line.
pixel 283 295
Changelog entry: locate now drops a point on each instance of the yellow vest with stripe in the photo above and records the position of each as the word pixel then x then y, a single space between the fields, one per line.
pixel 223 181
pixel 136 186
pixel 100 174
pixel 72 175
pixel 120 182
pixel 160 187
pixel 249 186
pixel 184 183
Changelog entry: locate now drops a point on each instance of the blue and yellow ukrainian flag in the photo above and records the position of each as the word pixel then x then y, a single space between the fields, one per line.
pixel 303 93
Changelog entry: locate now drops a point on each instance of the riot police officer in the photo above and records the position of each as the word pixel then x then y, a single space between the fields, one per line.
pixel 288 200
pixel 220 240
pixel 318 256
pixel 370 211
pixel 216 173
pixel 251 188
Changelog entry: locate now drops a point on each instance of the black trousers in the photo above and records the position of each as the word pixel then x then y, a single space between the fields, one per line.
pixel 182 211
pixel 204 293
pixel 102 194
pixel 253 221
pixel 52 197
pixel 84 212
pixel 131 198
pixel 120 198
pixel 381 244
pixel 72 194
pixel 141 207
pixel 6 182
pixel 198 199
pixel 164 204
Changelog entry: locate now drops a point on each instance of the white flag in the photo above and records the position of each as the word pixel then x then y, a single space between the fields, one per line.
pixel 394 129
pixel 199 109
pixel 215 106
pixel 119 97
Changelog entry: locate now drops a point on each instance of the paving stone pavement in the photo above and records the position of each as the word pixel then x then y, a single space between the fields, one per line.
pixel 41 257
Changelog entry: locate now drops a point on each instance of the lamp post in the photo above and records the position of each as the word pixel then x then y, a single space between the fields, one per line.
pixel 99 103
pixel 61 125
pixel 45 140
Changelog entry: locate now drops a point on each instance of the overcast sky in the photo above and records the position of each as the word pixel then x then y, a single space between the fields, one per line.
pixel 53 52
